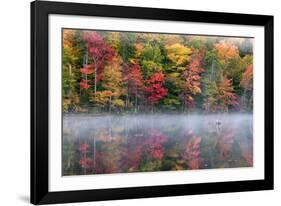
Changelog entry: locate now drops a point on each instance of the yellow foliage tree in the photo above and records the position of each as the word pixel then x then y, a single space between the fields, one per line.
pixel 70 58
pixel 178 53
pixel 112 80
pixel 113 38
pixel 112 77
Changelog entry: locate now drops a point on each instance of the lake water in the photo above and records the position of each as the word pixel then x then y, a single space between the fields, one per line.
pixel 141 143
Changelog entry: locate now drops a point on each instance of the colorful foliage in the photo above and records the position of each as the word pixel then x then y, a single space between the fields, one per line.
pixel 135 80
pixel 247 78
pixel 126 72
pixel 137 72
pixel 226 51
pixel 191 77
pixel 178 53
pixel 112 77
pixel 221 97
pixel 155 90
pixel 98 53
pixel 84 84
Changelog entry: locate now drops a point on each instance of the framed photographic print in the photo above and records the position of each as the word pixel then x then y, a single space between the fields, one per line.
pixel 133 102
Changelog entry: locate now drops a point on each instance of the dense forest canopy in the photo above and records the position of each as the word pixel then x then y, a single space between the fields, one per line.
pixel 126 72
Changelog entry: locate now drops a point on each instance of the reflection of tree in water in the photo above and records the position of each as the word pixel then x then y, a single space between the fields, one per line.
pixel 192 152
pixel 224 144
pixel 120 145
pixel 155 143
pixel 110 156
pixel 232 151
pixel 85 162
pixel 134 153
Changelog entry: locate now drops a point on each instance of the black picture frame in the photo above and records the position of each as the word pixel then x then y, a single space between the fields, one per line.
pixel 40 106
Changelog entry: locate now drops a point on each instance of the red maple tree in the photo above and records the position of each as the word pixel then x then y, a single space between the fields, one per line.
pixel 155 89
pixel 98 53
pixel 87 69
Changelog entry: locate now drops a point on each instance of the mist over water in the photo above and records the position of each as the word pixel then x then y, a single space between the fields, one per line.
pixel 158 142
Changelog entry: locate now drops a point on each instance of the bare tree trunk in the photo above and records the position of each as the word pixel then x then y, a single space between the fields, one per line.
pixel 95 82
pixel 136 101
pixel 95 79
pixel 127 98
pixel 212 71
pixel 70 77
pixel 110 104
pixel 86 61
pixel 184 103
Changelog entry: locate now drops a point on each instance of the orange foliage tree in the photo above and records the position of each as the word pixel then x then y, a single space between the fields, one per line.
pixel 191 76
pixel 247 84
pixel 226 51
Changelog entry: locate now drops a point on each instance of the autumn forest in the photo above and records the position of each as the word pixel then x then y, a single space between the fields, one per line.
pixel 145 72
pixel 146 102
